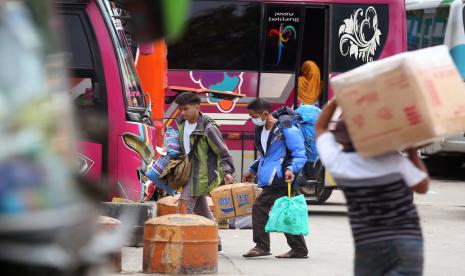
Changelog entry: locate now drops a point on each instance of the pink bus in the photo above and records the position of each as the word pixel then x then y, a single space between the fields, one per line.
pixel 257 48
pixel 110 103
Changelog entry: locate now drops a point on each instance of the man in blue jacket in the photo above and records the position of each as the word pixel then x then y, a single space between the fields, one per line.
pixel 282 156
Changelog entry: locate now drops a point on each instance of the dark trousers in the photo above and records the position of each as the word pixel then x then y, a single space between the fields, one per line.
pixel 389 258
pixel 260 215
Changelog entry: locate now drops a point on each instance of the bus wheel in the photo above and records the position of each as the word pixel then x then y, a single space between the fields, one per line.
pixel 314 184
pixel 323 194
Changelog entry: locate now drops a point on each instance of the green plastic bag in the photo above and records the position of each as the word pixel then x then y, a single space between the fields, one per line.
pixel 289 215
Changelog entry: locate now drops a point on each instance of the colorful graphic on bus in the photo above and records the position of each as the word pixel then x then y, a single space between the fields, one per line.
pixel 284 34
pixel 221 81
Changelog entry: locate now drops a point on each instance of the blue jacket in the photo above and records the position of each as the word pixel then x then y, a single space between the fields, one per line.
pixel 286 149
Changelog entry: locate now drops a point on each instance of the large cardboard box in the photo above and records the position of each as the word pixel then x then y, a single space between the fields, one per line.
pixel 244 195
pixel 234 200
pixel 402 101
pixel 223 202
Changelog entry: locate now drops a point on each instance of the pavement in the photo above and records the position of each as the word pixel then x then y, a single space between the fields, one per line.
pixel 330 243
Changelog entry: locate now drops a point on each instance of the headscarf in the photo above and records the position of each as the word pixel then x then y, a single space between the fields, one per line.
pixel 309 83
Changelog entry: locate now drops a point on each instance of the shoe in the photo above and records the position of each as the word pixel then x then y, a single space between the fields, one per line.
pixel 256 252
pixel 220 247
pixel 292 255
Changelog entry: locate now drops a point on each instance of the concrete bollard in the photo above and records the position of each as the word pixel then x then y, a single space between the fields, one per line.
pixel 180 244
pixel 169 205
pixel 107 224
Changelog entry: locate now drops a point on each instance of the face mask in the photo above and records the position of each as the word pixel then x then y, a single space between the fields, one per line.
pixel 258 121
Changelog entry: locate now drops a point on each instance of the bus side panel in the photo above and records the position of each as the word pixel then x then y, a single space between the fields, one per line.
pixel 130 185
pixel 229 114
pixel 232 116
pixel 90 160
pixel 397 38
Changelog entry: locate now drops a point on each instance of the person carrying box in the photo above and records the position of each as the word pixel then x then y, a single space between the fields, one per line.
pixel 384 221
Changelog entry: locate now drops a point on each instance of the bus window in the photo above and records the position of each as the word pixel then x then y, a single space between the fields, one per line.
pixel 85 82
pixel 78 52
pixel 426 28
pixel 220 35
pixel 77 46
pixel 132 88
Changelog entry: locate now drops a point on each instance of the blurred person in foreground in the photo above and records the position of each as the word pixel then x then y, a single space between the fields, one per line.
pixel 379 193
pixel 282 156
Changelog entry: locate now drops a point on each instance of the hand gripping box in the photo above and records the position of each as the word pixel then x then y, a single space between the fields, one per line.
pixel 234 200
pixel 223 202
pixel 244 195
pixel 402 101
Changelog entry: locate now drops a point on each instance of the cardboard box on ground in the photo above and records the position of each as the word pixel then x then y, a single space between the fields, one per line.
pixel 234 200
pixel 402 101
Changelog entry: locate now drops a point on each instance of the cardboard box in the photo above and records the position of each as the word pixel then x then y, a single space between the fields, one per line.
pixel 244 195
pixel 223 202
pixel 402 101
pixel 234 200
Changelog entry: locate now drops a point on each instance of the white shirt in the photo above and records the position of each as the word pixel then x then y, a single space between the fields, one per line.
pixel 188 129
pixel 264 138
pixel 354 166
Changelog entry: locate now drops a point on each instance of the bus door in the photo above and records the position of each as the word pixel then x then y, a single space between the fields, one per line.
pixel 110 103
pixel 87 88
pixel 292 35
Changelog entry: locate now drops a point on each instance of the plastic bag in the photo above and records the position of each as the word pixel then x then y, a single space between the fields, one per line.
pixel 289 215
pixel 173 150
pixel 172 142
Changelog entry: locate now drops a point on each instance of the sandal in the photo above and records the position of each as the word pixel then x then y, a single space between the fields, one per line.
pixel 292 255
pixel 256 252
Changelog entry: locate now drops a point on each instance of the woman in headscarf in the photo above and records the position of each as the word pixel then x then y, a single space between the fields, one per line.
pixel 309 83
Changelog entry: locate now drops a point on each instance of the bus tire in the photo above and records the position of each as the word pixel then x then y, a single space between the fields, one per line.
pixel 323 195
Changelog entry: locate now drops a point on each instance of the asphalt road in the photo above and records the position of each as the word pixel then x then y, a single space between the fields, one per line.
pixel 442 213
